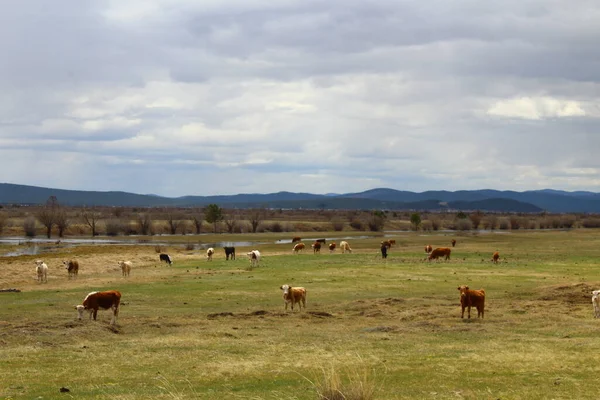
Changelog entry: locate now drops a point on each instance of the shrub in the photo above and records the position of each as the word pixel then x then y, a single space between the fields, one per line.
pixel 503 223
pixel 463 224
pixel 436 223
pixel 426 226
pixel 354 385
pixel 476 218
pixel 568 221
pixel 515 222
pixel 591 222
pixel 3 221
pixel 114 227
pixel 276 227
pixel 158 248
pixel 29 226
pixel 337 225
pixel 357 224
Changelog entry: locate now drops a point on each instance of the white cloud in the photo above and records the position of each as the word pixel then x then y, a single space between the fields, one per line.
pixel 536 108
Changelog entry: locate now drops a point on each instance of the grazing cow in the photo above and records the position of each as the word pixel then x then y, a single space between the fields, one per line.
pixel 166 258
pixel 453 242
pixel 125 267
pixel 495 257
pixel 229 252
pixel 254 256
pixel 105 300
pixel 440 252
pixel 296 239
pixel 298 247
pixel 294 295
pixel 41 270
pixel 209 253
pixel 332 247
pixel 320 241
pixel 386 243
pixel 428 249
pixel 596 303
pixel 471 298
pixel 72 267
pixel 345 247
pixel 316 247
pixel 392 241
pixel 384 250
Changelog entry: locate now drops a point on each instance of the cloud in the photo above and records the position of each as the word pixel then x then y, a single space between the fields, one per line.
pixel 341 96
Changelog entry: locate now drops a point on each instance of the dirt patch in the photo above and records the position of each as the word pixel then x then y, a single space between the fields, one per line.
pixel 222 314
pixel 320 314
pixel 381 329
pixel 578 293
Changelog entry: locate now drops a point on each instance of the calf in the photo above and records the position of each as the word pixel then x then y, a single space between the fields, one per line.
pixel 229 252
pixel 209 253
pixel 386 243
pixel 254 256
pixel 471 298
pixel 332 247
pixel 105 300
pixel 596 303
pixel 453 242
pixel 166 258
pixel 296 239
pixel 41 270
pixel 440 252
pixel 384 250
pixel 294 295
pixel 392 241
pixel 345 247
pixel 125 267
pixel 428 249
pixel 298 247
pixel 72 267
pixel 495 257
pixel 316 247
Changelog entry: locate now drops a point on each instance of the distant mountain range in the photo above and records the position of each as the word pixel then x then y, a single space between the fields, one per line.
pixel 534 201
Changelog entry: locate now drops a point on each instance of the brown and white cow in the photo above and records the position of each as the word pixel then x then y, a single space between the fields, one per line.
pixel 110 299
pixel 125 267
pixel 345 247
pixel 41 270
pixel 428 249
pixel 296 239
pixel 72 267
pixel 495 257
pixel 471 298
pixel 298 247
pixel 440 252
pixel 332 247
pixel 254 256
pixel 316 246
pixel 209 253
pixel 294 295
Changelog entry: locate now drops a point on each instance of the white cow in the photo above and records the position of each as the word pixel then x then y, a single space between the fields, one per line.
pixel 209 253
pixel 254 257
pixel 596 303
pixel 345 247
pixel 125 267
pixel 41 270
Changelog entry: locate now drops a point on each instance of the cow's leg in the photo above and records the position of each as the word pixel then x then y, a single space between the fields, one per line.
pixel 462 315
pixel 469 312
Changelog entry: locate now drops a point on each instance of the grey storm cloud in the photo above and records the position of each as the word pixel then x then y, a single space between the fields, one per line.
pixel 340 96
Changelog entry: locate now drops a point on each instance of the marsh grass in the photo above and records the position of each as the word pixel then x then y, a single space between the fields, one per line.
pixel 216 330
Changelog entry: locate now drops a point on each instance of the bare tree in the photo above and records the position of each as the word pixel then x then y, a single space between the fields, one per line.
pixel 145 224
pixel 231 220
pixel 47 214
pixel 91 217
pixel 3 221
pixel 173 221
pixel 62 222
pixel 255 217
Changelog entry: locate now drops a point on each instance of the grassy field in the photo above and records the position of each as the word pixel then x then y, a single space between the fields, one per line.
pixel 218 330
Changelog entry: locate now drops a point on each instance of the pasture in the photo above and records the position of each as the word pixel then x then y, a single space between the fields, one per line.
pixel 216 330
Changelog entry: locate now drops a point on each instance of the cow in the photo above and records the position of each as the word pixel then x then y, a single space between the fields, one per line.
pixel 166 258
pixel 125 267
pixel 428 249
pixel 332 247
pixel 72 267
pixel 320 241
pixel 209 253
pixel 294 295
pixel 384 250
pixel 345 247
pixel 41 270
pixel 229 252
pixel 386 243
pixel 110 299
pixel 254 256
pixel 392 241
pixel 298 247
pixel 453 242
pixel 596 303
pixel 440 252
pixel 495 257
pixel 471 298
pixel 296 239
pixel 316 247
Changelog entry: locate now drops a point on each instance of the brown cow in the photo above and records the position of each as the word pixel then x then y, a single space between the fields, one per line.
pixel 495 257
pixel 105 300
pixel 72 267
pixel 296 239
pixel 298 247
pixel 294 295
pixel 392 241
pixel 471 298
pixel 316 247
pixel 428 249
pixel 386 243
pixel 453 242
pixel 332 247
pixel 440 252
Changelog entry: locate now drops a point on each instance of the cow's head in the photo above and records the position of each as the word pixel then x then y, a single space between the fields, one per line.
pixel 463 289
pixel 80 309
pixel 596 293
pixel 285 288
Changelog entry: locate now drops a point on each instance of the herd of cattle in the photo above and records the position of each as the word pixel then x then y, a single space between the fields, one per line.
pixel 291 295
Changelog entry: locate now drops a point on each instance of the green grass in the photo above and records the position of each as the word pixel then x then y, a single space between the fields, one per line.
pixel 218 330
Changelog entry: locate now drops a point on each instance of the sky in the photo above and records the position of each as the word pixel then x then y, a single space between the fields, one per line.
pixel 208 97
